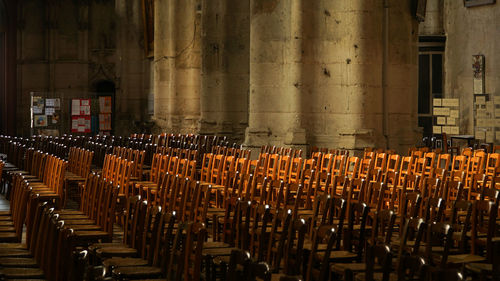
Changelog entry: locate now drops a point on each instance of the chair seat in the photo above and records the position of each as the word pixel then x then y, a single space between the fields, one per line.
pixel 94 247
pixel 214 252
pixel 15 253
pixel 69 217
pixel 376 276
pixel 85 227
pixel 78 222
pixel 18 262
pixel 9 237
pixel 6 223
pixel 69 212
pixel 340 255
pixel 479 267
pixel 354 267
pixel 21 273
pixel 215 244
pixel 7 229
pixel 123 262
pixel 91 235
pixel 137 272
pixel 465 258
pixel 5 246
pixel 116 252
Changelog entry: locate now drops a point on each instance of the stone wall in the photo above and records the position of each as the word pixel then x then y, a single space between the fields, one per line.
pixel 66 47
pixel 327 73
pixel 470 31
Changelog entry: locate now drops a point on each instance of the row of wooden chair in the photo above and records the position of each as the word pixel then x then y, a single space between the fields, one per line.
pixel 79 162
pixel 134 155
pixel 118 171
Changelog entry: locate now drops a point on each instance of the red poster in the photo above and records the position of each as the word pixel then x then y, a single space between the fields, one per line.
pixel 80 124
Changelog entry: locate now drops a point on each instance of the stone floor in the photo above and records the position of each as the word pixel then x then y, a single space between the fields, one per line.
pixel 4 203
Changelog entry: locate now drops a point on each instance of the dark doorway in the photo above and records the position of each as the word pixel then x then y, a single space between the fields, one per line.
pixel 430 78
pixel 103 88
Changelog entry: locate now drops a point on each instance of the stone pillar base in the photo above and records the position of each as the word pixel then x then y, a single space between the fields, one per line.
pixel 297 139
pixel 256 137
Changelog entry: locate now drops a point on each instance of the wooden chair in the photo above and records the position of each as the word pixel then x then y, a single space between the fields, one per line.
pixel 486 271
pixel 381 233
pixel 318 265
pixel 354 235
pixel 296 166
pixel 277 238
pixel 258 231
pixel 272 166
pixel 283 168
pixel 410 207
pixel 439 235
pixel 352 167
pixel 379 254
pixel 433 209
pixel 483 224
pixel 238 265
pixel 460 221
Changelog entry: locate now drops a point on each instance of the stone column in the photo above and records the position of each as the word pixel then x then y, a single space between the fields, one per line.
pixel 359 89
pixel 186 97
pixel 164 62
pixel 177 64
pixel 225 68
pixel 275 74
pixel 401 76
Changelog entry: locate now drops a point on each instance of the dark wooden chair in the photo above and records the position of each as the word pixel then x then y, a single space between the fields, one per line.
pixel 381 233
pixel 378 264
pixel 277 238
pixel 318 265
pixel 238 265
pixel 486 271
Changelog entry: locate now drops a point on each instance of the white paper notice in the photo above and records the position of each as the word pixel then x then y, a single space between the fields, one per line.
pixel 75 107
pixel 441 111
pixel 436 129
pixel 57 103
pixel 49 111
pixel 37 110
pixel 454 130
pixel 85 109
pixel 482 122
pixel 450 121
pixel 480 135
pixel 49 102
pixel 480 100
pixel 74 124
pixel 490 106
pixel 436 102
pixel 490 136
pixel 450 102
pixel 441 121
pixel 481 113
pixel 478 86
pixel 490 122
